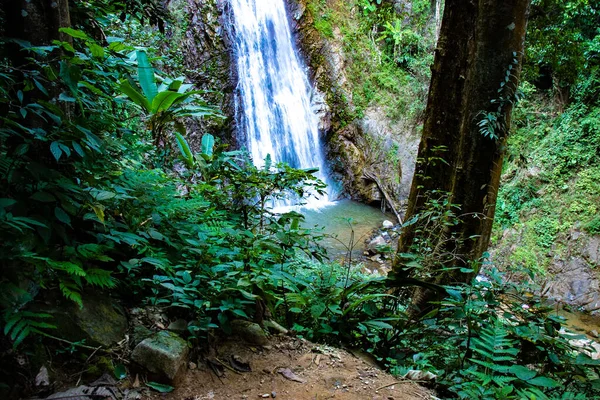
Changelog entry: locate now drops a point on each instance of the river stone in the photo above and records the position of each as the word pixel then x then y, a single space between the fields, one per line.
pixel 387 224
pixel 164 354
pixel 375 243
pixel 250 332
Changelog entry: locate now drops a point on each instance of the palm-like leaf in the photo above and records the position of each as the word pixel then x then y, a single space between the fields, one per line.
pixel 146 76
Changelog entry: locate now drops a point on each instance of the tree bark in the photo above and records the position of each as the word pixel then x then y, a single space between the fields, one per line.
pixel 36 21
pixel 477 45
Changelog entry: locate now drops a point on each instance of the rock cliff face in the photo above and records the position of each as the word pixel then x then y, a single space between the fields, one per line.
pixel 571 277
pixel 358 148
pixel 208 58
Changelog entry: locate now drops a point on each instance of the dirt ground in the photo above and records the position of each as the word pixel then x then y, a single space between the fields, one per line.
pixel 323 372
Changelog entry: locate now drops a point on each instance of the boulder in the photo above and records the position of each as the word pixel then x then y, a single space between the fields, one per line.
pixel 375 243
pixel 101 321
pixel 164 355
pixel 387 224
pixel 250 332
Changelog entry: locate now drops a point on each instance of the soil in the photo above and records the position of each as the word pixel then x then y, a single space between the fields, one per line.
pixel 325 372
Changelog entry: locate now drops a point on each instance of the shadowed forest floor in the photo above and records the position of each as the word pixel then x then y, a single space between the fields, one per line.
pixel 324 372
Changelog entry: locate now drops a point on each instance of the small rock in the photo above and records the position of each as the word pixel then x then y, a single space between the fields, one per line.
pixel 42 378
pixel 375 243
pixel 250 332
pixel 594 333
pixel 265 396
pixel 273 394
pixel 164 354
pixel 387 224
pixel 178 326
pixel 192 365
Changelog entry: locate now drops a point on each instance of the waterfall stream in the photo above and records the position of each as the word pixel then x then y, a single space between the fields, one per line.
pixel 273 105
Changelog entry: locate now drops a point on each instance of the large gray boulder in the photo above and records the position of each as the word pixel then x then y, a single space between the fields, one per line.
pixel 164 355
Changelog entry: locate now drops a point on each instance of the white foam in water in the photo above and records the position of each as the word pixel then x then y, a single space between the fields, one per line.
pixel 273 107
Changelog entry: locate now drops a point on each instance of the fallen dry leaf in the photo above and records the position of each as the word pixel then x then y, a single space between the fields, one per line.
pixel 288 374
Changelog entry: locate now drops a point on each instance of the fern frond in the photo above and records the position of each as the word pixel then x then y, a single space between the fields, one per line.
pixel 71 291
pixel 100 277
pixel 18 326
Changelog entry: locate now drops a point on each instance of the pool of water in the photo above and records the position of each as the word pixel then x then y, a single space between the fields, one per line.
pixel 346 223
pixel 581 322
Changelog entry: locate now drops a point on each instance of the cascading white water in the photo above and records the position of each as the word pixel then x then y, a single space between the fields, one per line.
pixel 273 104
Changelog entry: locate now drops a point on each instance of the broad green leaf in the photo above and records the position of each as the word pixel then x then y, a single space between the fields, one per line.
pixel 62 216
pixel 78 149
pixel 56 150
pixel 75 33
pixel 44 197
pixel 522 372
pixel 317 310
pixel 4 202
pixel 97 51
pixel 184 148
pixel 542 381
pixel 208 143
pixel 584 359
pixel 134 95
pixel 101 195
pixel 164 100
pixel 159 387
pixel 378 324
pixel 146 76
pixel 120 372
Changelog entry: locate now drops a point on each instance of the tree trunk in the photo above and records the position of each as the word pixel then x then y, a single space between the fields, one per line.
pixel 477 46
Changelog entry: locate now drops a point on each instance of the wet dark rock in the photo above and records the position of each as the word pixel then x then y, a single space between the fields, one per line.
pixel 140 332
pixel 101 321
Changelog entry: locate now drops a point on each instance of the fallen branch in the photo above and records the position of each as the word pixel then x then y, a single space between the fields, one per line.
pixel 373 178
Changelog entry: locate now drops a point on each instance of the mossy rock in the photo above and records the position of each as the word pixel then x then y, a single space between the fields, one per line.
pixel 250 332
pixel 100 322
pixel 164 355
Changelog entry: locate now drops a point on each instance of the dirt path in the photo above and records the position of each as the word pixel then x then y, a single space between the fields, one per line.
pixel 324 372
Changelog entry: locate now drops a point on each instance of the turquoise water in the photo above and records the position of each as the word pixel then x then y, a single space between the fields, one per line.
pixel 340 220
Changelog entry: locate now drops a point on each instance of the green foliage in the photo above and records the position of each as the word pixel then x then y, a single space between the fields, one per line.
pixel 493 340
pixel 562 36
pixel 387 63
pixel 550 181
pixel 84 205
pixel 166 103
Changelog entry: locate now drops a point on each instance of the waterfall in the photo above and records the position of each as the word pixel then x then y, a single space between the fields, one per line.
pixel 273 105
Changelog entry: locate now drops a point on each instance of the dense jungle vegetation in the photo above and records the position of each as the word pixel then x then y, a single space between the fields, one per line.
pixel 100 191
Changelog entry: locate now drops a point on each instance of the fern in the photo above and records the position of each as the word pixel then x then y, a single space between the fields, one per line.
pixel 18 326
pixel 100 277
pixel 497 353
pixel 71 291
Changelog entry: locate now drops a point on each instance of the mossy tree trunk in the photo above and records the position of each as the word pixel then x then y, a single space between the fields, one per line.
pixel 477 45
